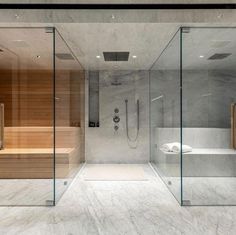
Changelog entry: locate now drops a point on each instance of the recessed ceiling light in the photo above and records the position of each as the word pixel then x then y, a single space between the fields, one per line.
pixel 98 56
pixel 134 56
pixel 38 56
pixel 113 17
pixel 201 56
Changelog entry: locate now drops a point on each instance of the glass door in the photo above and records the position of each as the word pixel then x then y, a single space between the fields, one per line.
pixel 26 98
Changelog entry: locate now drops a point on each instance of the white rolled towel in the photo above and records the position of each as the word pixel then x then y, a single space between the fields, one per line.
pixel 175 147
pixel 185 148
pixel 168 147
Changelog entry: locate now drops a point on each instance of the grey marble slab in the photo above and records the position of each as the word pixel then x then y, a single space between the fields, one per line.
pixel 105 208
pixel 104 144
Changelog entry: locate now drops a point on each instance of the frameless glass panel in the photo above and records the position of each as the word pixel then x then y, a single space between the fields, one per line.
pixel 165 116
pixel 26 116
pixel 69 115
pixel 209 96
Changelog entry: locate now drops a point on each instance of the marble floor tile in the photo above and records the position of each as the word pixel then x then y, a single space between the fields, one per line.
pixel 118 207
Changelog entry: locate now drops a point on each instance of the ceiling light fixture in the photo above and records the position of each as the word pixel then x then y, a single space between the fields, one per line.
pixel 98 56
pixel 201 56
pixel 134 56
pixel 113 17
pixel 38 56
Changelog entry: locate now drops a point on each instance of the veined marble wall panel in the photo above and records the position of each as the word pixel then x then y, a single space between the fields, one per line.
pixel 207 96
pixel 104 144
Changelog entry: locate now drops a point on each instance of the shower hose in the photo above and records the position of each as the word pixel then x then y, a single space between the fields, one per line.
pixel 127 123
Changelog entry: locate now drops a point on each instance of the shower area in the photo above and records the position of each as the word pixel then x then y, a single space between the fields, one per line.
pixel 192 116
pixel 172 112
pixel 118 116
pixel 42 116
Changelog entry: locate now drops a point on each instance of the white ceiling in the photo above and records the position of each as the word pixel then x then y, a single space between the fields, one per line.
pixel 32 48
pixel 144 40
pixel 87 41
pixel 197 47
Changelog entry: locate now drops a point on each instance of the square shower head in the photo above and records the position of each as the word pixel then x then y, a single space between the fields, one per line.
pixel 116 56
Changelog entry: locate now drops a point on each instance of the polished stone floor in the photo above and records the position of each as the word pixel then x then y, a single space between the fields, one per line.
pixel 118 207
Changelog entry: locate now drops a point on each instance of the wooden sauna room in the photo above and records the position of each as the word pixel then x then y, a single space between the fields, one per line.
pixel 42 106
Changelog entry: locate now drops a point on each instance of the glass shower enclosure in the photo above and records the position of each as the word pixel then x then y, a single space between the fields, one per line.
pixel 193 118
pixel 41 116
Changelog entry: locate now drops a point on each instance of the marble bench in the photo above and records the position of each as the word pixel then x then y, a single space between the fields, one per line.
pixel 211 155
pixel 205 162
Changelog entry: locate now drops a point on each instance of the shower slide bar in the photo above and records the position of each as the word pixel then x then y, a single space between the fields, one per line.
pixel 233 125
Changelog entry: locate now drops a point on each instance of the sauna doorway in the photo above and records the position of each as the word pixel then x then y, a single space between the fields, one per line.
pixel 42 116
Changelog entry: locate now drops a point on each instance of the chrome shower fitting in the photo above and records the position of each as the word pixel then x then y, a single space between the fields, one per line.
pixel 116 119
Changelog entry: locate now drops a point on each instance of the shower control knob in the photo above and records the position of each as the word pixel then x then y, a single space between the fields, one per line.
pixel 116 128
pixel 116 110
pixel 116 119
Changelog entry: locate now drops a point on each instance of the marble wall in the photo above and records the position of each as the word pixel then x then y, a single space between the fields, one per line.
pixel 104 144
pixel 207 96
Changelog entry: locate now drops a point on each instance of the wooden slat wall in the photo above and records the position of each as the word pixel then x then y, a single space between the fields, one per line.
pixel 28 97
pixel 28 100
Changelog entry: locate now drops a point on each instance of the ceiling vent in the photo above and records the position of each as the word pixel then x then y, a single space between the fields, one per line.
pixel 64 56
pixel 219 56
pixel 116 56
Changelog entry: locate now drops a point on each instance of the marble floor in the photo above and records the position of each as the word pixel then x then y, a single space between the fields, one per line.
pixel 118 207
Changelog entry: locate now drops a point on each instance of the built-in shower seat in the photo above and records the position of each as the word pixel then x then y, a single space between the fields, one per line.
pixel 207 151
pixel 203 162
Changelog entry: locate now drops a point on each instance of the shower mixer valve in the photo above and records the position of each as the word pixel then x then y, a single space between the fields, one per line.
pixel 116 119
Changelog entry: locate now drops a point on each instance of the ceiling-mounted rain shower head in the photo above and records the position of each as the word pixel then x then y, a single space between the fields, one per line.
pixel 116 56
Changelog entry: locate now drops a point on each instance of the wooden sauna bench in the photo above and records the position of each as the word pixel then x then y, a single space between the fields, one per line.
pixel 33 157
pixel 35 163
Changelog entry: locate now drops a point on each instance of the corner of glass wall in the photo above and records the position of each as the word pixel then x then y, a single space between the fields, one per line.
pixel 165 125
pixel 69 116
pixel 208 115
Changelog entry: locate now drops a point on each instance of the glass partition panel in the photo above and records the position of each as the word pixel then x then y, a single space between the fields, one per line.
pixel 209 97
pixel 26 116
pixel 69 116
pixel 165 116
